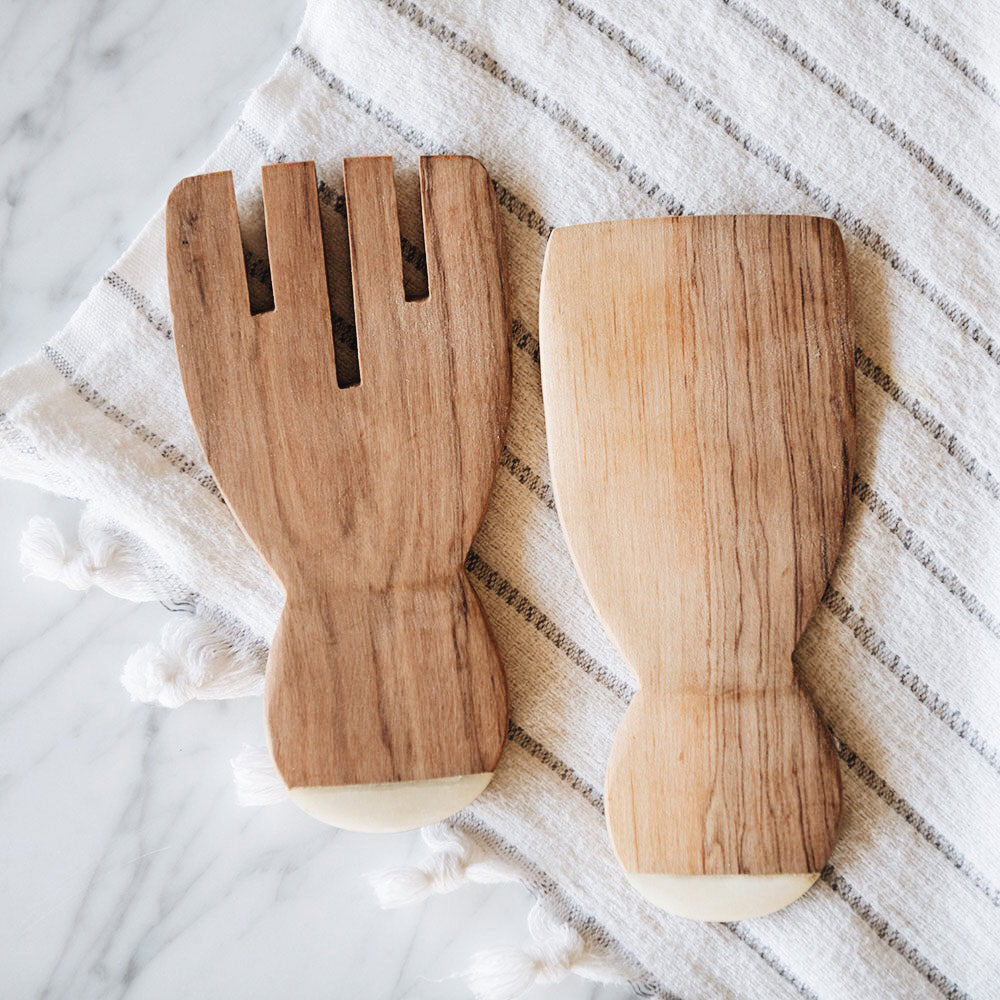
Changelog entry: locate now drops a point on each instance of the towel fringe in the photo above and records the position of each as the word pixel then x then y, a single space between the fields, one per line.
pixel 454 861
pixel 98 558
pixel 194 660
pixel 556 951
pixel 256 778
pixel 196 656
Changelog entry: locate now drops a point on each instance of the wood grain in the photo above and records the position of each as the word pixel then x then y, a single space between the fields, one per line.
pixel 362 500
pixel 699 399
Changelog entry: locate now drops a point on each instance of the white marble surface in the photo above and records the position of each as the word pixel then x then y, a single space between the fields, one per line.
pixel 126 868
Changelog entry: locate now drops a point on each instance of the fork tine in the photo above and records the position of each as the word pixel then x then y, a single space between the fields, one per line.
pixel 211 307
pixel 376 259
pixel 206 253
pixel 295 243
pixel 461 229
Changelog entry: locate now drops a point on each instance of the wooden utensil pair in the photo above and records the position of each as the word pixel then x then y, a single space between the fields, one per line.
pixel 698 393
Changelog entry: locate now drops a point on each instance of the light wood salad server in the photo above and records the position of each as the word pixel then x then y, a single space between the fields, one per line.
pixel 698 384
pixel 385 698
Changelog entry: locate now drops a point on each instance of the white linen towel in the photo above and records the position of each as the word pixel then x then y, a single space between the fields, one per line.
pixel 885 117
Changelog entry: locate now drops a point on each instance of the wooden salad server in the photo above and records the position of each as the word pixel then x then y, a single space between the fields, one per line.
pixel 699 400
pixel 385 699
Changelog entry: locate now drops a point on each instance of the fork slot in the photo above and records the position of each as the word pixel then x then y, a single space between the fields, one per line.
pixel 411 229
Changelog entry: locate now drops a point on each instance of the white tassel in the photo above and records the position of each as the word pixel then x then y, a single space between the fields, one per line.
pixel 98 558
pixel 46 553
pixel 556 951
pixel 455 860
pixel 192 660
pixel 257 781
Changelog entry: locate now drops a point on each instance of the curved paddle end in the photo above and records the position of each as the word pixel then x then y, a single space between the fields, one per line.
pixel 721 897
pixel 390 807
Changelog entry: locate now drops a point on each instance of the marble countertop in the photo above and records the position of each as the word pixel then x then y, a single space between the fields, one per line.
pixel 126 867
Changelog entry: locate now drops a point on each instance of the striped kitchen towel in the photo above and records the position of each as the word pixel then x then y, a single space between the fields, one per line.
pixel 882 116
